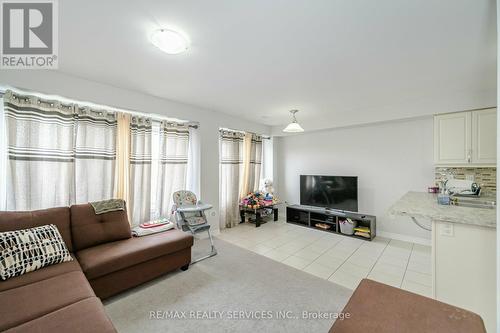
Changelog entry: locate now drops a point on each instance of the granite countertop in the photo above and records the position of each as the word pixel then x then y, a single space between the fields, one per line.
pixel 424 205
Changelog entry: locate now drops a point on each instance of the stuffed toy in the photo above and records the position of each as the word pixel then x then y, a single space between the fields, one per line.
pixel 268 187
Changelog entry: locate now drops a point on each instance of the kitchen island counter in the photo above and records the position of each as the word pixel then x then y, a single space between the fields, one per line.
pixel 424 205
pixel 463 251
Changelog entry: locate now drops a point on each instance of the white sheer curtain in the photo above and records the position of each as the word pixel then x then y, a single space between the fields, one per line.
pixel 3 158
pixel 267 160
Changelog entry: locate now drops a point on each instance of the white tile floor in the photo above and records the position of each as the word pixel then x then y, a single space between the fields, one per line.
pixel 342 260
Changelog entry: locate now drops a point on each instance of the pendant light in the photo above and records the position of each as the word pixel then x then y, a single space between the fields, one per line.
pixel 294 126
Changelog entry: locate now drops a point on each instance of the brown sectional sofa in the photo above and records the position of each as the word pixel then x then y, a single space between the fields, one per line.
pixel 107 260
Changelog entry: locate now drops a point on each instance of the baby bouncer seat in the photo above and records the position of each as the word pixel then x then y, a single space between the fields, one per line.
pixel 190 216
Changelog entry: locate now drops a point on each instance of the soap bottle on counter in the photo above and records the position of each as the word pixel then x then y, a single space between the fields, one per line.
pixel 443 197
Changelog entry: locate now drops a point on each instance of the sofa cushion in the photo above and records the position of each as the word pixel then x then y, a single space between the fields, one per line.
pixel 41 274
pixel 27 250
pixel 19 305
pixel 23 220
pixel 113 283
pixel 111 257
pixel 90 229
pixel 84 316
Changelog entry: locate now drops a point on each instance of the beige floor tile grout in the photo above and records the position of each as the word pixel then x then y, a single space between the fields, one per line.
pixel 280 230
pixel 345 260
pixel 321 253
pixel 407 263
pixel 378 258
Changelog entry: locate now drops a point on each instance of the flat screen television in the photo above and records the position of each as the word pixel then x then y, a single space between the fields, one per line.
pixel 335 192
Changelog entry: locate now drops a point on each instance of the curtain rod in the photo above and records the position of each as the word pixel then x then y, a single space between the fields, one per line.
pixel 189 123
pixel 267 137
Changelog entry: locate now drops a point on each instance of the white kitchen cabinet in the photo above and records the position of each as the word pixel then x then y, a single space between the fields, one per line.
pixel 452 138
pixel 465 138
pixel 484 138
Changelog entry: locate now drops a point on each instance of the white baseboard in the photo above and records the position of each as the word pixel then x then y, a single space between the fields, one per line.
pixel 405 238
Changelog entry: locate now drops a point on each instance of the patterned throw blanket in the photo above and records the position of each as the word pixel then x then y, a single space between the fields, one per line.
pixel 106 206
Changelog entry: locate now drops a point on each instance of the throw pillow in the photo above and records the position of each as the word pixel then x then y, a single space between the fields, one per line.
pixel 26 250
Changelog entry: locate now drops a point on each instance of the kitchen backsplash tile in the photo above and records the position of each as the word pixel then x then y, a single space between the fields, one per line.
pixel 485 177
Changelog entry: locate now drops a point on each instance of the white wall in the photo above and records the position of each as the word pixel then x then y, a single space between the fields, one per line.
pixel 57 83
pixel 389 159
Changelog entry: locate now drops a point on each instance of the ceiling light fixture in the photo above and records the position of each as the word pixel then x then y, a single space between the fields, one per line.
pixel 294 126
pixel 169 41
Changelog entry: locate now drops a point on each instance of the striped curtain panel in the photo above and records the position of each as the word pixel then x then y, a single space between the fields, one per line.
pixel 173 163
pixel 57 155
pixel 255 162
pixel 3 158
pixel 230 172
pixel 252 163
pixel 95 154
pixel 40 142
pixel 140 170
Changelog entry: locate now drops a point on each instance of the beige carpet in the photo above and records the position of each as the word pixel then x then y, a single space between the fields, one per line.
pixel 235 291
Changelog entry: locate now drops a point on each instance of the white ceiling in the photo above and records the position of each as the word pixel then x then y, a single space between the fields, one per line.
pixel 341 62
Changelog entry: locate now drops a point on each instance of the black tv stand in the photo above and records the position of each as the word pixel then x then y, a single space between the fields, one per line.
pixel 313 217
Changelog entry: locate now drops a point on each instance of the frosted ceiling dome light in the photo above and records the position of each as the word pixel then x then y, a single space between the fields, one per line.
pixel 294 126
pixel 169 41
